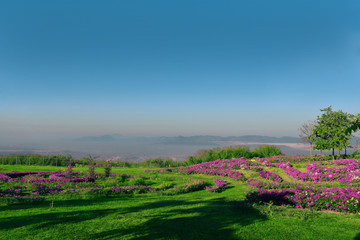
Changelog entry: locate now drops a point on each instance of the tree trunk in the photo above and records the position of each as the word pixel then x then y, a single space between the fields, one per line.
pixel 333 153
pixel 311 150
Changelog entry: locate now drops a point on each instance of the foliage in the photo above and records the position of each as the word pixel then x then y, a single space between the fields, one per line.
pixel 34 159
pixel 192 186
pixel 159 162
pixel 206 155
pixel 64 160
pixel 219 186
pixel 107 168
pixel 91 166
pixel 329 131
pixel 265 151
pixel 68 172
pixel 354 124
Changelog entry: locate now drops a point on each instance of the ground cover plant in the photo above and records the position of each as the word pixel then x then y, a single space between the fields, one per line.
pixel 279 197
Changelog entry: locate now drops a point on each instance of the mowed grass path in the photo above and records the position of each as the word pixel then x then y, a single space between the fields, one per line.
pixel 197 215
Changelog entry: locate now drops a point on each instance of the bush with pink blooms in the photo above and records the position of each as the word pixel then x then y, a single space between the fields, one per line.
pixel 219 186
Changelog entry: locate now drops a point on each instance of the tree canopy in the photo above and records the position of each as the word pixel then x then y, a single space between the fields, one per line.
pixel 354 124
pixel 330 131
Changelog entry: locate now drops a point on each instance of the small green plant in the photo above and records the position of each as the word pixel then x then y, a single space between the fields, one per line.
pixel 123 177
pixel 268 208
pixel 69 172
pixel 192 186
pixel 91 166
pixel 304 214
pixel 165 186
pixel 137 181
pixel 107 168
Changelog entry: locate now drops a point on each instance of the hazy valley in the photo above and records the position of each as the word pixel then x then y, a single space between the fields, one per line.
pixel 121 147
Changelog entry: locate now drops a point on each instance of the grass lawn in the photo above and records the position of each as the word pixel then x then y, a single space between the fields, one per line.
pixel 195 215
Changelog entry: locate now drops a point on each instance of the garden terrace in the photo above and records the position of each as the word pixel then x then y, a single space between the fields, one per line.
pixel 246 196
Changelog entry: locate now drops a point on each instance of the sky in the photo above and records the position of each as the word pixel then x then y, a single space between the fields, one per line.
pixel 168 68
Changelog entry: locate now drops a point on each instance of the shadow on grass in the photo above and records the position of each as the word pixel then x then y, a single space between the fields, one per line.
pixel 52 219
pixel 60 203
pixel 357 237
pixel 176 219
pixel 149 219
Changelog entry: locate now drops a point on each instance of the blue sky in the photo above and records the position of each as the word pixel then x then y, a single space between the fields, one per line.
pixel 72 68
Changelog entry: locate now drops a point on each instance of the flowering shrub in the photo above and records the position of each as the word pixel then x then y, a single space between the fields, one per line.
pixel 257 184
pixel 44 189
pixel 133 189
pixel 277 196
pixel 220 168
pixel 270 176
pixel 14 175
pixel 214 171
pixel 192 186
pixel 348 174
pixel 21 186
pixel 4 178
pixel 334 199
pixel 220 185
pixel 294 159
pixel 268 164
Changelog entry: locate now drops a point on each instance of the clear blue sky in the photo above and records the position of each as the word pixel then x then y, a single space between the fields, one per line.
pixel 72 68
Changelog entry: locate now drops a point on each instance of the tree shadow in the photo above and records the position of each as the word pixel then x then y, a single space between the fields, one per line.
pixel 173 219
pixel 166 219
pixel 357 237
pixel 61 203
pixel 52 219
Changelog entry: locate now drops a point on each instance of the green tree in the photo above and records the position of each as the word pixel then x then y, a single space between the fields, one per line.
pixel 329 132
pixel 354 124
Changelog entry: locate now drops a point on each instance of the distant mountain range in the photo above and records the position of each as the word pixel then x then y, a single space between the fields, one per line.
pixel 190 140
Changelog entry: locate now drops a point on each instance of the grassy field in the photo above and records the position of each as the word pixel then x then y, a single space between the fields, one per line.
pixel 195 215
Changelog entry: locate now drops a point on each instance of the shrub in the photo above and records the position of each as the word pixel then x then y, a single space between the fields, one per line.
pixel 91 166
pixel 165 186
pixel 265 151
pixel 159 162
pixel 69 172
pixel 206 155
pixel 123 177
pixel 220 185
pixel 196 185
pixel 107 168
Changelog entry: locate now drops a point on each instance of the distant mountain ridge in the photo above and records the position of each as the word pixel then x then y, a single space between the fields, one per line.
pixel 190 139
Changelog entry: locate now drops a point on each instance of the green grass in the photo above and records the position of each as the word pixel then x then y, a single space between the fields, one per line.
pixel 196 215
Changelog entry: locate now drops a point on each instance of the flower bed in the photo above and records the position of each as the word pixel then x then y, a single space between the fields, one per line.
pixel 334 199
pixel 19 186
pixel 270 176
pixel 347 175
pixel 219 186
